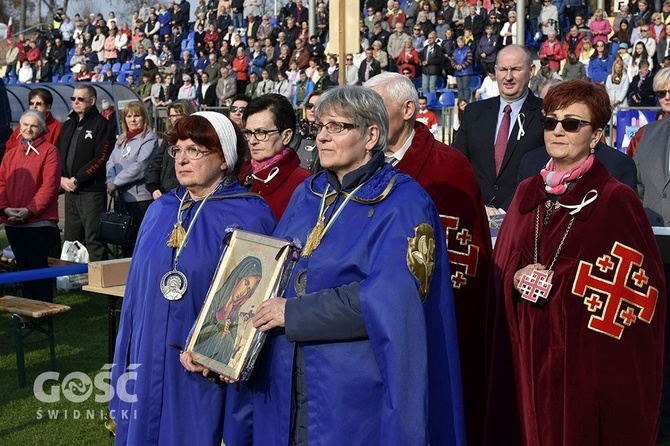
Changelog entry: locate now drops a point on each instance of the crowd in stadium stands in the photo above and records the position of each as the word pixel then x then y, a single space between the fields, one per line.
pixel 241 47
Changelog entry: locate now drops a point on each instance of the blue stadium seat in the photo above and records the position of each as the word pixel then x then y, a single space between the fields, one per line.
pixel 105 67
pixel 54 78
pixel 417 82
pixel 447 99
pixel 126 66
pixel 439 85
pixel 121 78
pixel 116 68
pixel 431 99
pixel 475 83
pixel 67 78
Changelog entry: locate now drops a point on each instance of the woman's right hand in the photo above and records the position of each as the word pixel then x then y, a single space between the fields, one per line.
pixel 156 194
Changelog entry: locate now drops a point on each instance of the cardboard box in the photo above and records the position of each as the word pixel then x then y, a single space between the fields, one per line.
pixel 108 273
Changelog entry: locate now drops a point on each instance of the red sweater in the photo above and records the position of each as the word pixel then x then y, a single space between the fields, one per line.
pixel 31 181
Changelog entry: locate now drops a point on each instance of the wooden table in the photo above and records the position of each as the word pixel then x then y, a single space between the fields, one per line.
pixel 113 294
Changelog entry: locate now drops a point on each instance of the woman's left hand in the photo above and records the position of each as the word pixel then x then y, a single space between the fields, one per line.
pixel 270 314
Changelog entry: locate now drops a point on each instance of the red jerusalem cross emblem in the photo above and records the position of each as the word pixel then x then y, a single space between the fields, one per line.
pixel 624 298
pixel 463 254
pixel 535 286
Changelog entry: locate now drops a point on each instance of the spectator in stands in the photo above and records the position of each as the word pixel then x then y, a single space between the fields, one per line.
pixel 409 58
pixel 432 59
pixel 548 18
pixel 639 54
pixel 226 86
pixel 111 54
pixel 187 90
pixel 643 12
pixel 98 44
pixel 29 182
pixel 617 85
pixel 128 163
pixel 508 31
pixel 283 86
pixel 160 175
pixel 380 55
pixel 369 67
pixel 487 48
pixel 427 117
pixel 600 27
pixel 649 43
pixel 304 87
pixel 158 92
pixel 586 53
pixel 26 73
pixel 552 50
pixel 42 71
pixel 97 74
pixel 396 41
pixel 489 87
pixel 462 62
pixel 623 35
pixel 252 86
pixel 641 88
pixel 573 68
pixel 600 64
pixel 663 49
pixel 573 41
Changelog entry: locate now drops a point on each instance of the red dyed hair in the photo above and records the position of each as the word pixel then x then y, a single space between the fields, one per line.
pixel 575 91
pixel 200 131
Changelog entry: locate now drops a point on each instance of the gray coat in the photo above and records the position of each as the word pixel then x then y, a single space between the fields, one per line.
pixel 653 177
pixel 127 164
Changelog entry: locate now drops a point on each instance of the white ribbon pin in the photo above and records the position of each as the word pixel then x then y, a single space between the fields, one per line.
pixel 89 134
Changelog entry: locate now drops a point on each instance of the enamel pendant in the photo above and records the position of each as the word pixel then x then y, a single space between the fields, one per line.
pixel 536 285
pixel 173 285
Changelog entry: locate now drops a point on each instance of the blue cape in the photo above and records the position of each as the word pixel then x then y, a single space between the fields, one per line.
pixel 399 386
pixel 174 407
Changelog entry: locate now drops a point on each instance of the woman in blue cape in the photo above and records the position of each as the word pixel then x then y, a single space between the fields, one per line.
pixel 178 248
pixel 362 348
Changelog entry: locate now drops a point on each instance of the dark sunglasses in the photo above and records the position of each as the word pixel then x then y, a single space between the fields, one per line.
pixel 236 109
pixel 571 125
pixel 308 105
pixel 77 99
pixel 662 93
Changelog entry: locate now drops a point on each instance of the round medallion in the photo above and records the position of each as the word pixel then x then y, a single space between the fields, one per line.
pixel 173 285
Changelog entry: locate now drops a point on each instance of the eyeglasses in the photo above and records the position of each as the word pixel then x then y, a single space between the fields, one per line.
pixel 237 109
pixel 78 99
pixel 309 106
pixel 35 103
pixel 643 30
pixel 349 58
pixel 175 116
pixel 191 152
pixel 571 125
pixel 334 127
pixel 260 135
pixel 661 94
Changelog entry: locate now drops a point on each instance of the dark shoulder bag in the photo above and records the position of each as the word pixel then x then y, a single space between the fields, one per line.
pixel 116 225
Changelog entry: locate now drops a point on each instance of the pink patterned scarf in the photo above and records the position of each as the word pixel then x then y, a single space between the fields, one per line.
pixel 257 166
pixel 556 182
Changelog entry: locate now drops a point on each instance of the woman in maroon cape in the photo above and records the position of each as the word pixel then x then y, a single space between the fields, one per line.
pixel 577 296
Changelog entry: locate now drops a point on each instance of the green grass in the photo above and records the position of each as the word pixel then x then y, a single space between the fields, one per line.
pixel 81 346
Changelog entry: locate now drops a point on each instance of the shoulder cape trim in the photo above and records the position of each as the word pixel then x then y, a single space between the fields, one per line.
pixel 377 199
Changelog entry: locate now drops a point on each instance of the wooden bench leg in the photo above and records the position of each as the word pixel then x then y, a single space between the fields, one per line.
pixel 18 343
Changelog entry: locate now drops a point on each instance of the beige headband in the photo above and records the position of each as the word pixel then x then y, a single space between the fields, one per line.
pixel 226 132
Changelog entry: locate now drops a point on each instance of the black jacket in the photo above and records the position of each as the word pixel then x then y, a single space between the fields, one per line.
pixel 94 145
pixel 160 175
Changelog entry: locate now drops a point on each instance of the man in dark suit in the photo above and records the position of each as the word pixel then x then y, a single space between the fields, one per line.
pixel 475 22
pixel 618 164
pixel 479 130
pixel 206 92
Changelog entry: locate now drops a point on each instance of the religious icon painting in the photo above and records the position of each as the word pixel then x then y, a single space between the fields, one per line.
pixel 252 269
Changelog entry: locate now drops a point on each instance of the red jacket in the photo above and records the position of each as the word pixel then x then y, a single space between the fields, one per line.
pixel 31 181
pixel 447 176
pixel 53 132
pixel 33 55
pixel 277 192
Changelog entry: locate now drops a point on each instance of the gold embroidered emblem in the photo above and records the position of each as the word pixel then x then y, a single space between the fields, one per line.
pixel 300 282
pixel 421 257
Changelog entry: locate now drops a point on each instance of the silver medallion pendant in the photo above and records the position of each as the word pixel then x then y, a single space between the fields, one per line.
pixel 173 285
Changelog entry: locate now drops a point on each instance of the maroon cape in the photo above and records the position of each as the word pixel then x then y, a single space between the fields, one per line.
pixel 277 192
pixel 587 366
pixel 447 176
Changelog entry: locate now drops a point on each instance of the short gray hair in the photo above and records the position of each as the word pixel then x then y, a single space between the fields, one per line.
pixel 364 107
pixel 400 89
pixel 41 123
